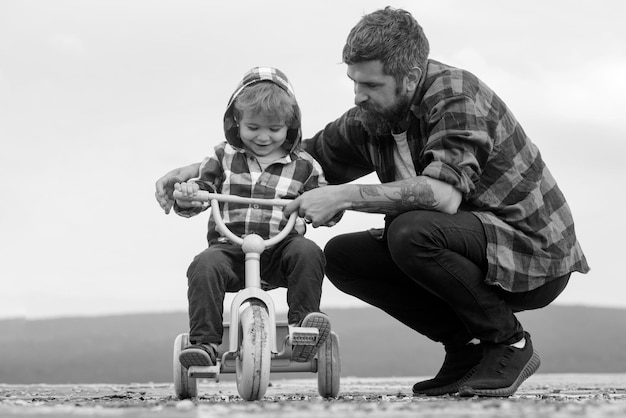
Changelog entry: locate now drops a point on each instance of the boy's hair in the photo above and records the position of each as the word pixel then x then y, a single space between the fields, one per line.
pixel 391 36
pixel 267 98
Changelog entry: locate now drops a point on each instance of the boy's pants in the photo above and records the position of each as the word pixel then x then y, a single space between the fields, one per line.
pixel 429 274
pixel 296 263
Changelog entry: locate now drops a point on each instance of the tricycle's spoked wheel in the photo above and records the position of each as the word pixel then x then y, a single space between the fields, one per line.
pixel 254 357
pixel 328 367
pixel 184 386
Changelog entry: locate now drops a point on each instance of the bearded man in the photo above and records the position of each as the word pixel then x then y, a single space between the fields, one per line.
pixel 476 228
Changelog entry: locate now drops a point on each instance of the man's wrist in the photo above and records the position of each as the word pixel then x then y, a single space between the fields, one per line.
pixel 348 194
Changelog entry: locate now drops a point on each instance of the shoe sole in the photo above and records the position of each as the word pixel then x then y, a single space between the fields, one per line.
pixel 194 357
pixel 529 369
pixel 305 353
pixel 449 389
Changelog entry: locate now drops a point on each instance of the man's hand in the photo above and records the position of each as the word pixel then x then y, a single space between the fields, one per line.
pixel 318 206
pixel 165 190
pixel 165 185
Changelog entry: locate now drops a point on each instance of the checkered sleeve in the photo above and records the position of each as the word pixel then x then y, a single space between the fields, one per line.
pixel 459 141
pixel 341 158
pixel 316 178
pixel 211 176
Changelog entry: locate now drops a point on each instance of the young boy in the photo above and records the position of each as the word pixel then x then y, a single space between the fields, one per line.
pixel 260 158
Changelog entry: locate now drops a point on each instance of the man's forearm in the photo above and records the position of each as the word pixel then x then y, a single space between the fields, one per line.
pixel 165 185
pixel 401 196
pixel 190 171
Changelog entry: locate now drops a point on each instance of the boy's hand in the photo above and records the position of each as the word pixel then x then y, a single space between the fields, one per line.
pixel 188 190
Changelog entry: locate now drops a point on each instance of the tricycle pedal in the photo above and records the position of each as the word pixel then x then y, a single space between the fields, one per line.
pixel 303 335
pixel 205 371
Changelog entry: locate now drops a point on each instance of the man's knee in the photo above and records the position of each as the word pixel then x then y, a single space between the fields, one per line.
pixel 409 230
pixel 334 247
pixel 335 254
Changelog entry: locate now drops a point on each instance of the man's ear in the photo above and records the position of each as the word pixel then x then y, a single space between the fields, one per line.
pixel 412 79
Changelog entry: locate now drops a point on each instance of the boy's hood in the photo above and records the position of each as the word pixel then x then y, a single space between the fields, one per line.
pixel 256 75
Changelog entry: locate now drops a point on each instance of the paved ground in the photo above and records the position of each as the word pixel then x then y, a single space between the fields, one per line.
pixel 543 395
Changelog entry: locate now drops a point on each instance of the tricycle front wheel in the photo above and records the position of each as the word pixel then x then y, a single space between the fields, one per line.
pixel 255 356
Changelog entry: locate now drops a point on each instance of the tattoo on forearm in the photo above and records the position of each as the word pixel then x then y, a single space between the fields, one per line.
pixel 370 191
pixel 407 195
pixel 417 195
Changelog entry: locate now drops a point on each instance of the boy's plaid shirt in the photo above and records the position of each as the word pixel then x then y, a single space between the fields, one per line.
pixel 460 132
pixel 235 172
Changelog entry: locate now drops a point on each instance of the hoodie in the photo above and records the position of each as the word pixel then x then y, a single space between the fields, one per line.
pixel 256 75
pixel 231 170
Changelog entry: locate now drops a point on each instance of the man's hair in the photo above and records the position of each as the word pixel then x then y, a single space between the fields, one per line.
pixel 391 36
pixel 266 98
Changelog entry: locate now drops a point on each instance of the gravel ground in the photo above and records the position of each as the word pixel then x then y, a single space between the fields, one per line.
pixel 543 395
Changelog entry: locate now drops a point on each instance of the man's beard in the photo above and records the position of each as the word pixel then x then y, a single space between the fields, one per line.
pixel 381 121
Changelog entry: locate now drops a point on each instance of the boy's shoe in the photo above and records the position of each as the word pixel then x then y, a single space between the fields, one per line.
pixel 458 366
pixel 502 369
pixel 304 353
pixel 197 355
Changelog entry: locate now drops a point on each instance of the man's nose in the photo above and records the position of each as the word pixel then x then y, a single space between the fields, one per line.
pixel 359 96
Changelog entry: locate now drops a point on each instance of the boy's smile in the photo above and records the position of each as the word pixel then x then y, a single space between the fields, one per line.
pixel 263 135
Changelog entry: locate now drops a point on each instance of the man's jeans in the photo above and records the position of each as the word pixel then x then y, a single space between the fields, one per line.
pixel 428 272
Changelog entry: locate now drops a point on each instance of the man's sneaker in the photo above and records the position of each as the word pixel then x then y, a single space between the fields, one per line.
pixel 304 353
pixel 458 366
pixel 502 369
pixel 197 355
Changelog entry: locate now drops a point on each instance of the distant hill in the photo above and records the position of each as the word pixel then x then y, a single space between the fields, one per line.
pixel 138 348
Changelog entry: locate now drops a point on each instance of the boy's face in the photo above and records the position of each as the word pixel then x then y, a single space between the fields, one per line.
pixel 263 135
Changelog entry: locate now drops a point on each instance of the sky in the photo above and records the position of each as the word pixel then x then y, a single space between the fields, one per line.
pixel 100 98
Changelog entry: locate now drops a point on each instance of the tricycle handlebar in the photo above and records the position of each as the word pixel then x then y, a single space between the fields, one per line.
pixel 204 196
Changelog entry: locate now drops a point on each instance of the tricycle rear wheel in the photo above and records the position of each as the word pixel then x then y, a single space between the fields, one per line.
pixel 184 386
pixel 328 367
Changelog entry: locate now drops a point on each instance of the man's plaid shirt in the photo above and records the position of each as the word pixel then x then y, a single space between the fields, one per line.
pixel 460 132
